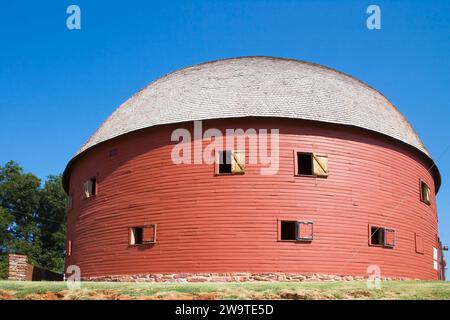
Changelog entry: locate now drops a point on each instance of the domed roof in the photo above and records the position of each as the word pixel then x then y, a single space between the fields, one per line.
pixel 259 87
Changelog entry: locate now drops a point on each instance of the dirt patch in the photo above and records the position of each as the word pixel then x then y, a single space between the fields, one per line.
pixel 206 296
pixel 179 296
pixel 6 295
pixel 359 294
pixel 304 295
pixel 75 295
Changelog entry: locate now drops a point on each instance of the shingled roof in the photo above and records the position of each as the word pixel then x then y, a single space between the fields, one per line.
pixel 261 87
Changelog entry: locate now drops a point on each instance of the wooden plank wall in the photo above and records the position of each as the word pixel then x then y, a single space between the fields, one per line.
pixel 208 223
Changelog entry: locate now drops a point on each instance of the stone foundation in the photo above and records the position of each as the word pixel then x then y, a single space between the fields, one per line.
pixel 231 277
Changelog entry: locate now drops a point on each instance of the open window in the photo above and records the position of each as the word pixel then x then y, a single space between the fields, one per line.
pixel 143 235
pixel 425 193
pixel 311 164
pixel 230 162
pixel 90 188
pixel 295 230
pixel 287 230
pixel 305 164
pixel 382 236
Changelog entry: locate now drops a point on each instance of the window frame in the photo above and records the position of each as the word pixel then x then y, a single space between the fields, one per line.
pixel 144 243
pixel 311 154
pixel 296 237
pixel 217 162
pixel 95 188
pixel 296 164
pixel 422 183
pixel 384 244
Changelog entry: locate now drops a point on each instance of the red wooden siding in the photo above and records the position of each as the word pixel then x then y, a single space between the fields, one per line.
pixel 210 223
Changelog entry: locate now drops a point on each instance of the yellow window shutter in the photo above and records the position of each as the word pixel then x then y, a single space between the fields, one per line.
pixel 132 237
pixel 320 164
pixel 238 162
pixel 428 194
pixel 86 189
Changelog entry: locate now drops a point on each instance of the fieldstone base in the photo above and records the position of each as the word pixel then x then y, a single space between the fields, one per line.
pixel 231 277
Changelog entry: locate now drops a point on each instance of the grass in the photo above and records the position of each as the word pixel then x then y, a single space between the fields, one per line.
pixel 250 290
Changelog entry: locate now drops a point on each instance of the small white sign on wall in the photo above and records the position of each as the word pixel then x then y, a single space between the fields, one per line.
pixel 435 258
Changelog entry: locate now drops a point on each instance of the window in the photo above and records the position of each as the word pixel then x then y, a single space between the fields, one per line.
pixel 305 164
pixel 112 153
pixel 377 236
pixel 311 164
pixel 230 162
pixel 295 231
pixel 90 188
pixel 288 230
pixel 381 236
pixel 425 193
pixel 224 162
pixel 419 243
pixel 143 235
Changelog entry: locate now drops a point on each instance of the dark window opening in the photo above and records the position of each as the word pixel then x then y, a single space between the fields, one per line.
pixel 143 235
pixel 425 193
pixel 90 188
pixel 93 186
pixel 288 229
pixel 382 236
pixel 377 236
pixel 138 235
pixel 224 162
pixel 305 164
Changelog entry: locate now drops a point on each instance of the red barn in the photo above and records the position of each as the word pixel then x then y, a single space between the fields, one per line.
pixel 317 176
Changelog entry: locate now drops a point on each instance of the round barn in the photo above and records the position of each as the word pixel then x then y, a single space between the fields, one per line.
pixel 254 168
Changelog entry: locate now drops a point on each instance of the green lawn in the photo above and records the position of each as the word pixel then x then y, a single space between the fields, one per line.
pixel 261 290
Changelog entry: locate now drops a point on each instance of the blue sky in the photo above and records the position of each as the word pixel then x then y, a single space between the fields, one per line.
pixel 57 86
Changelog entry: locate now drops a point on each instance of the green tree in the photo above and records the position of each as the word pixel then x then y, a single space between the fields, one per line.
pixel 52 224
pixel 32 218
pixel 6 220
pixel 19 195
